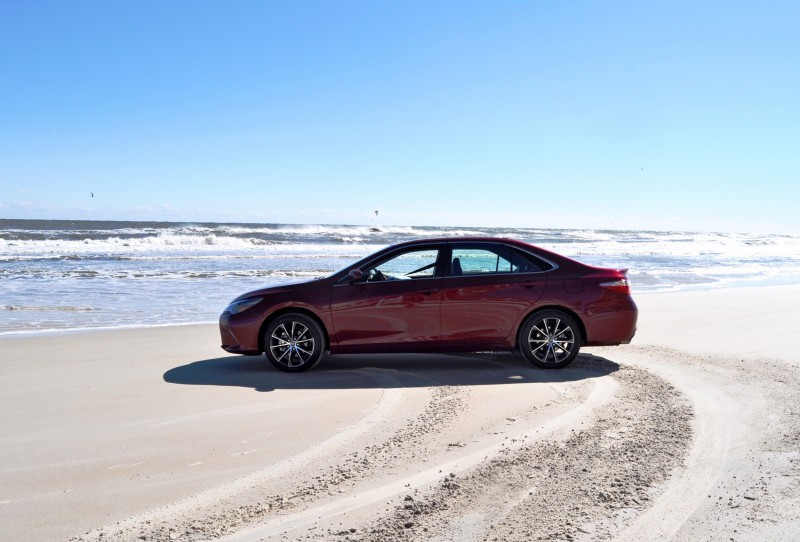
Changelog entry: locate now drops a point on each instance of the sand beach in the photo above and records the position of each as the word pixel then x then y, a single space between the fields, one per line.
pixel 690 433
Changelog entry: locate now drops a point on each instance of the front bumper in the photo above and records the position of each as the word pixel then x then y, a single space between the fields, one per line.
pixel 233 343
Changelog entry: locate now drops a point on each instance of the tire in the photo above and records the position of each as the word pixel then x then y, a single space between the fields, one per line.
pixel 294 343
pixel 550 339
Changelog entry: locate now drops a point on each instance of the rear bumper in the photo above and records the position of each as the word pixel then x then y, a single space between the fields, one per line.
pixel 613 327
pixel 629 340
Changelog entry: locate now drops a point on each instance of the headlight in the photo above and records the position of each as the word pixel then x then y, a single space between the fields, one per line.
pixel 240 306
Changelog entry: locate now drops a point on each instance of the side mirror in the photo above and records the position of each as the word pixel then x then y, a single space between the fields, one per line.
pixel 355 275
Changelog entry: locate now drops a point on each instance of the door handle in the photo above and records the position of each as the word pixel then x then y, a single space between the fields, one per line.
pixel 428 291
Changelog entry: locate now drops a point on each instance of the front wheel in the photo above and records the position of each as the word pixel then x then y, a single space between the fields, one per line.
pixel 550 339
pixel 294 343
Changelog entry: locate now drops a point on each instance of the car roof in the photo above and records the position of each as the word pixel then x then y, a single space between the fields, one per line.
pixel 461 239
pixel 470 239
pixel 479 239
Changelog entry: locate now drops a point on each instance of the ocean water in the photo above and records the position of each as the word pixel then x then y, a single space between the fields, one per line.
pixel 62 275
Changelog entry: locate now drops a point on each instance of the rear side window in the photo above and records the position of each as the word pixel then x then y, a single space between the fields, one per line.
pixel 493 259
pixel 523 262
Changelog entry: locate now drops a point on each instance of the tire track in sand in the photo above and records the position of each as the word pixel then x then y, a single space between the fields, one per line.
pixel 225 508
pixel 741 480
pixel 285 525
pixel 584 483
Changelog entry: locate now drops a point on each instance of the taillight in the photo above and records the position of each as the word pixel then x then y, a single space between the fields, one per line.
pixel 622 286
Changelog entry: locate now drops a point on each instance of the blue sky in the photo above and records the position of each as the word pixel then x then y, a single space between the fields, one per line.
pixel 621 115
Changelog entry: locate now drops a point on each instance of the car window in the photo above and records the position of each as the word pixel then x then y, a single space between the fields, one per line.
pixel 477 260
pixel 414 264
pixel 527 263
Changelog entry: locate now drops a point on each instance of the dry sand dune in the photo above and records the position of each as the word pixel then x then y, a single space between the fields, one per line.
pixel 690 433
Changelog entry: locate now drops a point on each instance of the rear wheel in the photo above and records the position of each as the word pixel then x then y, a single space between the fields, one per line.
pixel 294 342
pixel 550 339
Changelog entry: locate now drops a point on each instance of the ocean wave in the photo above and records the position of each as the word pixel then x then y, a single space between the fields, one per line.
pixel 32 308
pixel 90 274
pixel 220 234
pixel 567 242
pixel 166 243
pixel 136 274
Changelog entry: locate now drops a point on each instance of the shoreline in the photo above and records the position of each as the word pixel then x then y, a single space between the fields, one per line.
pixel 684 290
pixel 103 329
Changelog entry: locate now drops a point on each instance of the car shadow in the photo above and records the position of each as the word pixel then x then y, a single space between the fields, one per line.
pixel 370 371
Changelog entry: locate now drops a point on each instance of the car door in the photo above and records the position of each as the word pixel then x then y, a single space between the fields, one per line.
pixel 395 307
pixel 488 289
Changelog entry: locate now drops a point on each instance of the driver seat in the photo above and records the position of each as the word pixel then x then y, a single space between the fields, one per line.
pixel 457 267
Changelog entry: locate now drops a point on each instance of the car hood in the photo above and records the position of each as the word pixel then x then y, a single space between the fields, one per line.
pixel 280 288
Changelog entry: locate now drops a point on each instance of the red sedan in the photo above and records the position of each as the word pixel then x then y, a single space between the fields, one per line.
pixel 435 295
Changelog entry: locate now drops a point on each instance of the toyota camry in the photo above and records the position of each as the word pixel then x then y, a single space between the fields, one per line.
pixel 438 295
